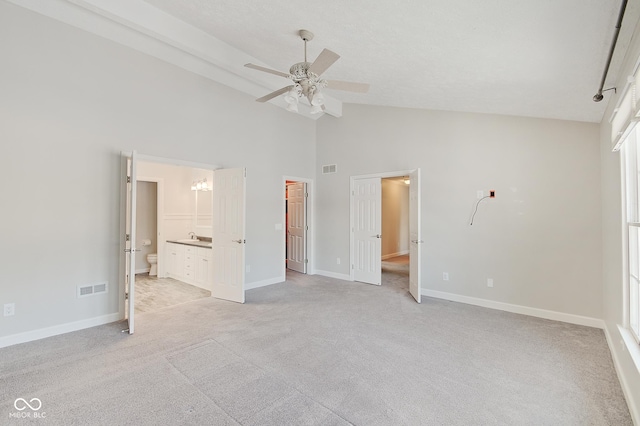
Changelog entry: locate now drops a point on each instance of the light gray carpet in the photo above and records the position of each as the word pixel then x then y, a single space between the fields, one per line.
pixel 153 293
pixel 315 350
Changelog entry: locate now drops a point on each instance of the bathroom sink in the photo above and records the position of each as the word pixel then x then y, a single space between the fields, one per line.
pixel 187 240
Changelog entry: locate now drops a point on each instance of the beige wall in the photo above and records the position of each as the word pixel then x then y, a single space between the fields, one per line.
pixel 146 223
pixel 395 218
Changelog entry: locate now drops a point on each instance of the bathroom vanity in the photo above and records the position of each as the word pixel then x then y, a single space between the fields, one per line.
pixel 190 261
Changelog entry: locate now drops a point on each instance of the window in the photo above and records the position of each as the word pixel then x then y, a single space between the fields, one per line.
pixel 631 185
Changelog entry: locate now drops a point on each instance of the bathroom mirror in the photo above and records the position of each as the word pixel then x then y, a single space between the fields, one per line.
pixel 203 209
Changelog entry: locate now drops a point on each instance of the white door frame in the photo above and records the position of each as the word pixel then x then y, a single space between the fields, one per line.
pixel 124 156
pixel 160 240
pixel 311 269
pixel 352 209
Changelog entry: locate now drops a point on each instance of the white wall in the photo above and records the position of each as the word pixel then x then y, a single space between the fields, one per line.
pixel 395 218
pixel 539 240
pixel 71 103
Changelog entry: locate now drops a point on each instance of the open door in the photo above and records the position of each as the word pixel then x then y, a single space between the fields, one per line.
pixel 367 230
pixel 414 235
pixel 228 234
pixel 130 242
pixel 297 227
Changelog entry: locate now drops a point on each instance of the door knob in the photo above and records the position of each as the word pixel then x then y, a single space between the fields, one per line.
pixel 378 235
pixel 239 241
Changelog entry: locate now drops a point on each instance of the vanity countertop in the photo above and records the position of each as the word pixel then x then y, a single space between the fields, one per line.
pixel 195 243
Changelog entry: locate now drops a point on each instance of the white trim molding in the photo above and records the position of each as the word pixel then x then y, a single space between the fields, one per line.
pixel 56 330
pixel 617 352
pixel 516 309
pixel 336 275
pixel 391 255
pixel 263 283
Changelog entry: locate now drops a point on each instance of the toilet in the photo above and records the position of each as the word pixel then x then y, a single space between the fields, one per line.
pixel 152 258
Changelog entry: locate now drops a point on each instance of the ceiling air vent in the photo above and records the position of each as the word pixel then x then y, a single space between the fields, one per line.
pixel 92 289
pixel 329 168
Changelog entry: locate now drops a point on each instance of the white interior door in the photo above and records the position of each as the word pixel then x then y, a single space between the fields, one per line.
pixel 130 242
pixel 367 230
pixel 297 227
pixel 228 234
pixel 414 235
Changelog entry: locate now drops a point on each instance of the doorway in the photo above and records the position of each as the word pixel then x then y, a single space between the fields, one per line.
pixel 366 228
pixel 395 233
pixel 298 232
pixel 209 242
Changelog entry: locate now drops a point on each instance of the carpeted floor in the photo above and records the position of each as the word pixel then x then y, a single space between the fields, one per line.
pixel 316 350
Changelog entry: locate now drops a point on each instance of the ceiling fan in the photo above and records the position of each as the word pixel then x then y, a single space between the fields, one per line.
pixel 306 79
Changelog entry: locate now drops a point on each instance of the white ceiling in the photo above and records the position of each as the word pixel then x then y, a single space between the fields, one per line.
pixel 539 58
pixel 535 58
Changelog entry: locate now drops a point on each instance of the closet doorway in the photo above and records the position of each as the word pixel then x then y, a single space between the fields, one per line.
pixel 297 224
pixel 367 223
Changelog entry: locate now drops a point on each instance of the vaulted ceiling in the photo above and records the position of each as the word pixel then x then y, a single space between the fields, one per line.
pixel 541 58
pixel 536 58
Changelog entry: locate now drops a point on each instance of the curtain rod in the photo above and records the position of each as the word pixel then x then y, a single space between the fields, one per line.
pixel 598 96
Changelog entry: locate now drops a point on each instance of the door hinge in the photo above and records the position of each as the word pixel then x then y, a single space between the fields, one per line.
pixel 306 261
pixel 307 227
pixel 126 296
pixel 127 237
pixel 352 266
pixel 128 179
pixel 306 195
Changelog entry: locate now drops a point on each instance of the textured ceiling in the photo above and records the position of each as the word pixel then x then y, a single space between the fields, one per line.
pixel 538 58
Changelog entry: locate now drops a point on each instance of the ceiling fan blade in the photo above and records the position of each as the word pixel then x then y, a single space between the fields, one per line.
pixel 325 59
pixel 270 71
pixel 348 86
pixel 274 94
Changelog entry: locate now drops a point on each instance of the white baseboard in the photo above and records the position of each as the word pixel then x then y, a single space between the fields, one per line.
pixel 142 271
pixel 389 256
pixel 622 377
pixel 55 330
pixel 335 275
pixel 263 283
pixel 516 309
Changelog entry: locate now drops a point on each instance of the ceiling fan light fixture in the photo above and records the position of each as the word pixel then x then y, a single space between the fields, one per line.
pixel 317 99
pixel 292 95
pixel 292 107
pixel 307 80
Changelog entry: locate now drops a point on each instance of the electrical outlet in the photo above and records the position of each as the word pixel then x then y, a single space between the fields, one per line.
pixel 445 276
pixel 480 194
pixel 9 309
pixel 489 282
pixel 338 261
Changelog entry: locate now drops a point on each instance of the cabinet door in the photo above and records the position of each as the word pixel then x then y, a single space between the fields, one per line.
pixel 202 273
pixel 175 260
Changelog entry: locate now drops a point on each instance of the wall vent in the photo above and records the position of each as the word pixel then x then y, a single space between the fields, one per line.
pixel 329 168
pixel 93 289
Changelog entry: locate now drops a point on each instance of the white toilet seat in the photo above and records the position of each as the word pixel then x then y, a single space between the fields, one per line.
pixel 152 258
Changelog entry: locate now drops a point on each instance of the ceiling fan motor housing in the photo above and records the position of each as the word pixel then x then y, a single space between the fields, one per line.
pixel 299 70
